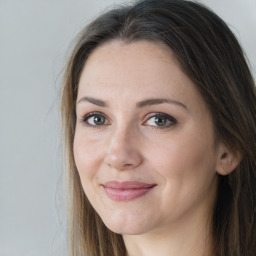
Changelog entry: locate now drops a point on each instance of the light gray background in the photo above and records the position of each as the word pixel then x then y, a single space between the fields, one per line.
pixel 34 38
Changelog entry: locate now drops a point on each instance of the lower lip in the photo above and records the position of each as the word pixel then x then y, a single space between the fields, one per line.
pixel 126 194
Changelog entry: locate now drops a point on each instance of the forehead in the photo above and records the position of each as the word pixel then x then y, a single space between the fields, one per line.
pixel 134 59
pixel 136 70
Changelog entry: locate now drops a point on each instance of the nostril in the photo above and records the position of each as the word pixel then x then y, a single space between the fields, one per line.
pixel 127 165
pixel 122 155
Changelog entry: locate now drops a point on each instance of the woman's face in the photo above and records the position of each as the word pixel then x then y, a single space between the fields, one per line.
pixel 144 143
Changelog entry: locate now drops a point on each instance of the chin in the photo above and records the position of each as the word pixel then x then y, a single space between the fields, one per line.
pixel 125 231
pixel 126 225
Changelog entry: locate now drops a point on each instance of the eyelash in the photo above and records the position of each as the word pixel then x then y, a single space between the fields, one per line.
pixel 167 118
pixel 94 114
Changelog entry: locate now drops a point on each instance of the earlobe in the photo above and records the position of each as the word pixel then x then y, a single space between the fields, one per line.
pixel 227 160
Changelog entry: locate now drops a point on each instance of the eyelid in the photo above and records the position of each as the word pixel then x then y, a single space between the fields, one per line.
pixel 170 118
pixel 91 114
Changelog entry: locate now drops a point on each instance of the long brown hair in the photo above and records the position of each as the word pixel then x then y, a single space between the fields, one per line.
pixel 212 58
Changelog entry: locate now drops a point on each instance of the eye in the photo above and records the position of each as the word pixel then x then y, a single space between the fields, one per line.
pixel 160 120
pixel 95 119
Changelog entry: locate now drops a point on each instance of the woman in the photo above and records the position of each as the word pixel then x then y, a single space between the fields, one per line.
pixel 159 113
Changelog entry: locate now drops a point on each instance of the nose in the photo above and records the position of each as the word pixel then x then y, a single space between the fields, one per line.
pixel 123 150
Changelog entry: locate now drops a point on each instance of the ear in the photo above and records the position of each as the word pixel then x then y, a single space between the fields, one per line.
pixel 227 161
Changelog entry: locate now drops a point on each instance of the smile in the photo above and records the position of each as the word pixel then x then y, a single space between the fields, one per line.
pixel 126 191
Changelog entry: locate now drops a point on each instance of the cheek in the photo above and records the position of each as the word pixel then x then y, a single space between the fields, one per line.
pixel 86 155
pixel 183 156
pixel 187 167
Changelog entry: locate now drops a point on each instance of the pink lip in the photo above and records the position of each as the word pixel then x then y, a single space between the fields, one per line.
pixel 126 191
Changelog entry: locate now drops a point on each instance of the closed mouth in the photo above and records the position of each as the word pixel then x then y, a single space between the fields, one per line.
pixel 126 191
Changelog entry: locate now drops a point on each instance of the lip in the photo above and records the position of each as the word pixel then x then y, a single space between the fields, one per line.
pixel 126 191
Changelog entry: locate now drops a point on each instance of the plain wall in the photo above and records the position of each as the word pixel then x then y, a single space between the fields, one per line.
pixel 34 40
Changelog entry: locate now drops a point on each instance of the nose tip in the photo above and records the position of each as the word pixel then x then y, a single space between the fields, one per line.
pixel 122 162
pixel 123 153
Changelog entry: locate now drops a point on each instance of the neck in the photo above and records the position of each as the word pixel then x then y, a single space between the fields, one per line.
pixel 184 238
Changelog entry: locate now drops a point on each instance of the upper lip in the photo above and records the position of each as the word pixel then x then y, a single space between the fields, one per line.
pixel 127 185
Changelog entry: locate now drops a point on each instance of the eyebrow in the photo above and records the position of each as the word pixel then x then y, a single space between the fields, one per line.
pixel 141 104
pixel 150 102
pixel 94 101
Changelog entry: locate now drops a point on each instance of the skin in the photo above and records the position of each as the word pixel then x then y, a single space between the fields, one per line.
pixel 181 158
